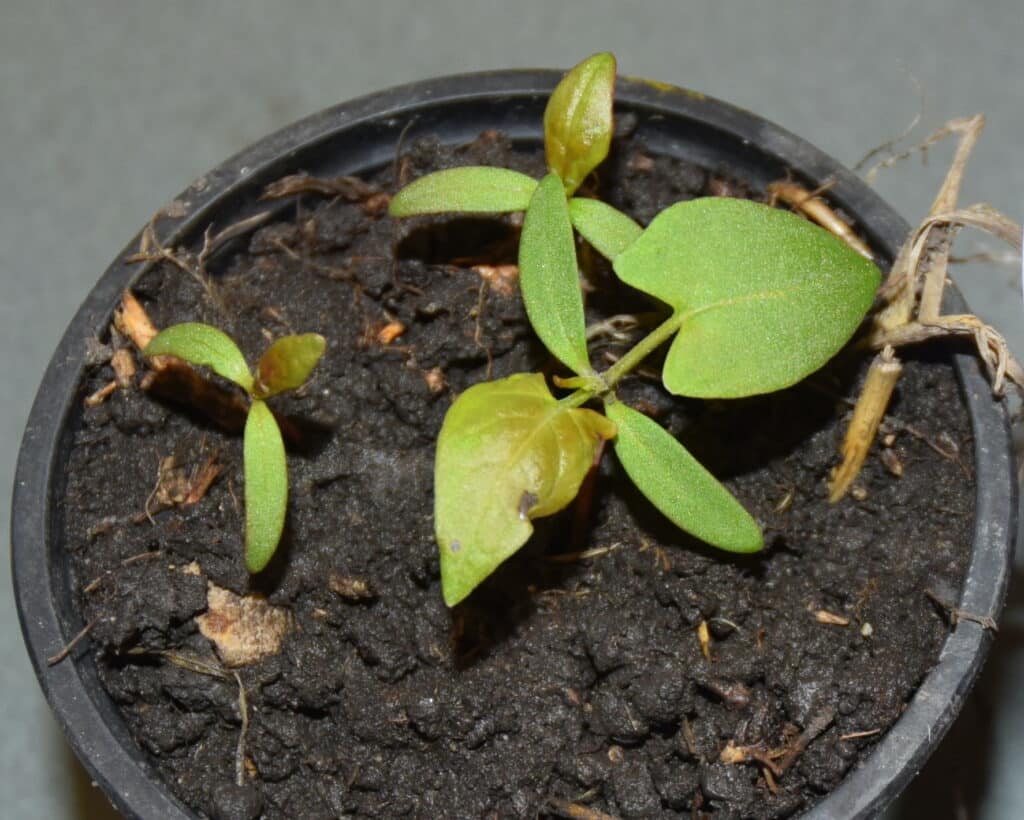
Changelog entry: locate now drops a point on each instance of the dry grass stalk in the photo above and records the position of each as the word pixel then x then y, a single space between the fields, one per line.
pixel 817 210
pixel 912 299
pixel 881 380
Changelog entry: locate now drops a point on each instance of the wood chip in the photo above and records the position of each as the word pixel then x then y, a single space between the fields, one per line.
pixel 704 636
pixel 131 320
pixel 242 628
pixel 823 616
pixel 350 589
pixel 435 380
pixel 882 376
pixel 123 363
pixel 892 462
pixel 391 331
pixel 97 398
pixel 733 694
pixel 502 279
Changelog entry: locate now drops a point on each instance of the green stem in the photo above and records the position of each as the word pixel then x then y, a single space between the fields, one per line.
pixel 577 398
pixel 651 342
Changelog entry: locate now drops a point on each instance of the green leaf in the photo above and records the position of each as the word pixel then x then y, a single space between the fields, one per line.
pixel 287 363
pixel 578 120
pixel 203 345
pixel 549 277
pixel 678 485
pixel 508 452
pixel 762 296
pixel 606 228
pixel 473 189
pixel 266 486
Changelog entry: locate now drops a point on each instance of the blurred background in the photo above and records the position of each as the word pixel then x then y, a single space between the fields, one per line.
pixel 109 109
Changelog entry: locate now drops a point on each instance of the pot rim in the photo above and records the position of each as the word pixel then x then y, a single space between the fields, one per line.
pixel 86 714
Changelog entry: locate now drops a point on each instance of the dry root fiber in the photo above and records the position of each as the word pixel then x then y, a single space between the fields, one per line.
pixel 911 296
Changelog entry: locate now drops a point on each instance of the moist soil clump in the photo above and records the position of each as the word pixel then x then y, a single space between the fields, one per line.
pixel 614 662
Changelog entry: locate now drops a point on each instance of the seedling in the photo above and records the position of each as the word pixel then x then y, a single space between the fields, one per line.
pixel 285 365
pixel 757 299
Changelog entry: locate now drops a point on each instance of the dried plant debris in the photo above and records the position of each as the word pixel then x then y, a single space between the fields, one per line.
pixel 911 299
pixel 242 628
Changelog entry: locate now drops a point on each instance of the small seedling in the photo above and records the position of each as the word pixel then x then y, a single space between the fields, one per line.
pixel 285 365
pixel 757 299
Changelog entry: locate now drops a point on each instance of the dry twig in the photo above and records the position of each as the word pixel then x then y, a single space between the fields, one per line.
pixel 912 299
pixel 53 660
pixel 243 712
pixel 955 614
pixel 194 264
pixel 350 189
pixel 811 205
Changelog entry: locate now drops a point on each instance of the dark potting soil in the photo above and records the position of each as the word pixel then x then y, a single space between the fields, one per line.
pixel 561 679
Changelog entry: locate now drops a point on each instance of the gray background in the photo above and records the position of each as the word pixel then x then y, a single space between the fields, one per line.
pixel 108 109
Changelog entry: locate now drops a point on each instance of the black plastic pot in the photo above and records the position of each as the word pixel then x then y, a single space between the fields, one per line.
pixel 359 136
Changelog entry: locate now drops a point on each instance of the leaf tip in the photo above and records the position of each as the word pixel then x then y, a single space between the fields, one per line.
pixel 455 581
pixel 578 119
pixel 256 560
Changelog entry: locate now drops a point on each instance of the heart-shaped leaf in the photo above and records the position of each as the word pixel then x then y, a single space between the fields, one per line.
pixel 287 363
pixel 606 228
pixel 266 486
pixel 203 345
pixel 678 485
pixel 472 189
pixel 762 296
pixel 578 120
pixel 549 277
pixel 508 452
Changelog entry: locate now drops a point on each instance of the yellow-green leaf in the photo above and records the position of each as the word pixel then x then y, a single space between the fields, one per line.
pixel 266 486
pixel 762 296
pixel 472 189
pixel 678 485
pixel 606 228
pixel 287 363
pixel 578 120
pixel 203 345
pixel 508 452
pixel 549 278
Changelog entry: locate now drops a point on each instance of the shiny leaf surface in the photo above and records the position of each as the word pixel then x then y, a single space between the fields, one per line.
pixel 508 452
pixel 287 363
pixel 578 120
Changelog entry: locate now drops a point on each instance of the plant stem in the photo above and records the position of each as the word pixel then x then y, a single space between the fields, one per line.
pixel 578 397
pixel 651 342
